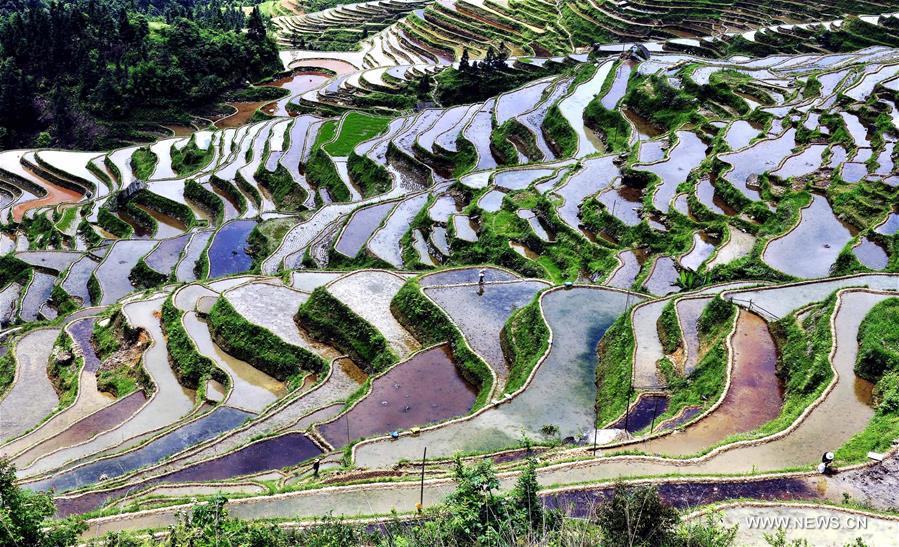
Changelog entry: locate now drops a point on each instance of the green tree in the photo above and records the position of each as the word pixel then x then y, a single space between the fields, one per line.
pixel 24 516
pixel 525 500
pixel 256 26
pixel 475 512
pixel 637 516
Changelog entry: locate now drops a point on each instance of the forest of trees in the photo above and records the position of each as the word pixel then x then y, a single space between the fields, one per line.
pixel 69 71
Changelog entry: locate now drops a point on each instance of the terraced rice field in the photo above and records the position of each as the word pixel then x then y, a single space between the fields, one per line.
pixel 676 294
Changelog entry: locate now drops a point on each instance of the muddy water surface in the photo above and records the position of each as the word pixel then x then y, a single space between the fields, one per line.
pixel 425 389
pixel 754 398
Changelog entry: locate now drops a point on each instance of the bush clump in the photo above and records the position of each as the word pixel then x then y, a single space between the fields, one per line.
pixel 878 337
pixel 669 328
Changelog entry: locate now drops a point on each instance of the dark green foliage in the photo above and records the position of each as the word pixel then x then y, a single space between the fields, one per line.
pixel 247 188
pixel 421 317
pixel 665 107
pixel 119 381
pixel 73 67
pixel 186 361
pixel 190 159
pixel 62 301
pixel 257 94
pixel 229 192
pixel 610 124
pixel 143 162
pixel 715 314
pixel 329 320
pixel 265 238
pixel 205 199
pixel 90 235
pixel 525 338
pixel 7 370
pixel 371 178
pixel 482 80
pixel 257 345
pixel 286 193
pixel 669 328
pixel 113 224
pixel 63 371
pixel 94 289
pixel 108 339
pixel 25 516
pixel 42 233
pixel 501 146
pixel 142 221
pixel 321 173
pixel 13 270
pixel 804 351
pixel 614 369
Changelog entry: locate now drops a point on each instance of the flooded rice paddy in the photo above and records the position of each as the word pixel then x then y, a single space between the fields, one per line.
pixel 561 393
pixel 753 398
pixel 818 239
pixel 425 389
pixel 481 314
pixel 228 250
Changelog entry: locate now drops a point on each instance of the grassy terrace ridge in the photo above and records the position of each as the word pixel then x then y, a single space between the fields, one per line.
pixel 331 321
pixel 190 159
pixel 706 384
pixel 430 325
pixel 259 346
pixel 190 367
pixel 525 339
pixel 878 362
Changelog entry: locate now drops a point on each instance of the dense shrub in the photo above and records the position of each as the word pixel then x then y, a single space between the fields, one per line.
pixel 559 134
pixel 321 172
pixel 878 337
pixel 166 206
pixel 371 178
pixel 113 224
pixel 286 193
pixel 205 199
pixel 143 276
pixel 669 328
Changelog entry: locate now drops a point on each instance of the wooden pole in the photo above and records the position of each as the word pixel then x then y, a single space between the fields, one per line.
pixel 421 494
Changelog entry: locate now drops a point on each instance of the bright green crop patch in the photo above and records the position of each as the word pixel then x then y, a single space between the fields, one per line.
pixel 326 134
pixel 357 127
